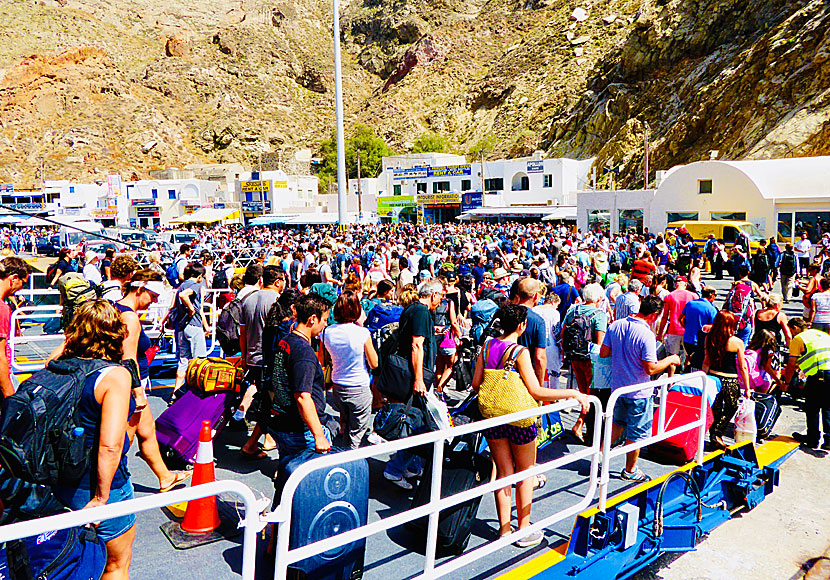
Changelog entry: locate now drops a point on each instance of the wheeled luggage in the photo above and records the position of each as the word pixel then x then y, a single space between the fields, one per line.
pixel 463 470
pixel 178 427
pixel 328 501
pixel 213 375
pixel 681 409
pixel 767 411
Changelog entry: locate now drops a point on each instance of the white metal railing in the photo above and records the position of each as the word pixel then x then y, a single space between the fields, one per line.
pixel 54 311
pixel 662 434
pixel 251 522
pixel 282 513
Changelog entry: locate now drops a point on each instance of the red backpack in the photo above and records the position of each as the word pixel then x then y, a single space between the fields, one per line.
pixel 740 302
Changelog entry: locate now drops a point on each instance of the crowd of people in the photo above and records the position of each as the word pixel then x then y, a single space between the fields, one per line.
pixel 315 307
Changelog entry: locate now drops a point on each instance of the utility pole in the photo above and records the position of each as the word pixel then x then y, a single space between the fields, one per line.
pixel 261 196
pixel 342 177
pixel 359 192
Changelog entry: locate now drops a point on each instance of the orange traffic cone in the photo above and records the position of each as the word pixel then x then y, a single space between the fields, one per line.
pixel 201 516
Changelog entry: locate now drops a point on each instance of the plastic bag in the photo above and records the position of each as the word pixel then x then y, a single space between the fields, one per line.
pixel 438 410
pixel 745 426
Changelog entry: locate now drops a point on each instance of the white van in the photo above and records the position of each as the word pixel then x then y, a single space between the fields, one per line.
pixel 176 238
pixel 71 235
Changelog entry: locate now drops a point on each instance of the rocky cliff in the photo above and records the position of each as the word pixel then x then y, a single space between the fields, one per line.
pixel 89 87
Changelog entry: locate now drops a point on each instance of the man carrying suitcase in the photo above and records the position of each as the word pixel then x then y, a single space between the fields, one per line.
pixel 810 353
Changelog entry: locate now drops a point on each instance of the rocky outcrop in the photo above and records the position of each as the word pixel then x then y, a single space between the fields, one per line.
pixel 425 52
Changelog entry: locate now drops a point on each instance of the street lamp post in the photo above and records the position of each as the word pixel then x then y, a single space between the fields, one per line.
pixel 342 178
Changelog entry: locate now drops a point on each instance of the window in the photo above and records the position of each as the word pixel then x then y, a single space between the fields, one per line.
pixel 815 223
pixel 494 184
pixel 155 193
pixel 249 196
pixel 440 186
pixel 254 175
pixel 704 186
pixel 548 180
pixel 521 182
pixel 681 216
pixel 466 185
pixel 396 189
pixel 728 216
pixel 631 219
pixel 785 227
pixel 599 219
pixel 8 199
pixel 71 189
pixel 421 187
pixel 730 234
pixel 171 194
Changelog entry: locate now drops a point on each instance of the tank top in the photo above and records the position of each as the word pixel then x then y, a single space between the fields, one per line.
pixel 89 417
pixel 144 343
pixel 771 325
pixel 496 352
pixel 728 364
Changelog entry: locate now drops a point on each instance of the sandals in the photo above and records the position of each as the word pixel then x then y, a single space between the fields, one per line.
pixel 179 477
pixel 259 454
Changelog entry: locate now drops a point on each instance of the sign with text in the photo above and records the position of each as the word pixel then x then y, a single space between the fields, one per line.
pixel 535 166
pixel 280 185
pixel 396 201
pixel 449 171
pixel 412 173
pixel 448 198
pixel 143 202
pixel 252 186
pixel 471 200
pixel 255 206
pixel 6 188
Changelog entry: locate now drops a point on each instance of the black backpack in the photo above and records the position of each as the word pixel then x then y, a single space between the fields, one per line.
pixel 220 280
pixel 423 263
pixel 576 338
pixel 228 327
pixel 787 265
pixel 40 441
pixel 442 314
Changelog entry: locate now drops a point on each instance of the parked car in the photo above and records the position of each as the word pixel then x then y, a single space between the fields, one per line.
pixel 48 246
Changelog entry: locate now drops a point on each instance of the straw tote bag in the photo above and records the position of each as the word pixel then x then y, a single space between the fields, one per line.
pixel 503 391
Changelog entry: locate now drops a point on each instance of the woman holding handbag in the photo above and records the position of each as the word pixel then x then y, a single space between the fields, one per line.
pixel 506 383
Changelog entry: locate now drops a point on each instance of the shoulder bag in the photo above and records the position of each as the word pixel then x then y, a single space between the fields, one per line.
pixel 503 391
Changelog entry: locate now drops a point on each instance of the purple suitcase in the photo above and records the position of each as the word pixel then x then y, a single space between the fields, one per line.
pixel 178 427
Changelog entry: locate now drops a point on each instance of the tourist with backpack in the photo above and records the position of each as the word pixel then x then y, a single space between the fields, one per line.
pixel 121 272
pixel 14 275
pixel 175 272
pixel 94 346
pixel 583 329
pixel 60 267
pixel 741 302
pixel 189 320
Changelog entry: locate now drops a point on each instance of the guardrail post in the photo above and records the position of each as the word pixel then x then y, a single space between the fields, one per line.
pixel 434 496
pixel 704 405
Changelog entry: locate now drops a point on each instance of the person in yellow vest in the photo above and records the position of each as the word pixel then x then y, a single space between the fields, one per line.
pixel 810 354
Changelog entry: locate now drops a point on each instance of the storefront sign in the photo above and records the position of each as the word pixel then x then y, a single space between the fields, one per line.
pixel 26 206
pixel 279 185
pixel 255 206
pixel 471 201
pixel 254 186
pixel 106 213
pixel 449 171
pixel 439 198
pixel 142 202
pixel 535 166
pixel 189 209
pixel 412 173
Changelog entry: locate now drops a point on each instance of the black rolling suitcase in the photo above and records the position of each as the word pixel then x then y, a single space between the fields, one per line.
pixel 463 470
pixel 767 411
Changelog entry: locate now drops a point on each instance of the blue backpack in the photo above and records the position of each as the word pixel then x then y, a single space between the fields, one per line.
pixel 172 272
pixel 481 314
pixel 382 314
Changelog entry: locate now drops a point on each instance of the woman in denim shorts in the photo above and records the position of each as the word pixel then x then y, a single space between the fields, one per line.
pixel 97 332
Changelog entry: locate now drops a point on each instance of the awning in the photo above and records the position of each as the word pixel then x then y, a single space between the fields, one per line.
pixel 207 215
pixel 321 219
pixel 266 220
pixel 565 212
pixel 13 219
pixel 520 211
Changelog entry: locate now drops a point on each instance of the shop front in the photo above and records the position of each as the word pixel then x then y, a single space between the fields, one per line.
pixel 396 208
pixel 145 214
pixel 440 208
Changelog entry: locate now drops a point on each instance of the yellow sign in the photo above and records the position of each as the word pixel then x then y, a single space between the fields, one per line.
pixel 278 185
pixel 254 186
pixel 439 198
pixel 105 213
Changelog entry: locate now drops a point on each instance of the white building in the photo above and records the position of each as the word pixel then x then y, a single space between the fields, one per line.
pixel 446 185
pixel 275 192
pixel 153 202
pixel 781 197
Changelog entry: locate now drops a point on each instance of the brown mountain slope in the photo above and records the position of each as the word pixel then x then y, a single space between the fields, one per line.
pixel 130 86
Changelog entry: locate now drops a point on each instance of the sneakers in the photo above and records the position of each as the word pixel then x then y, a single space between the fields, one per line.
pixel 636 475
pixel 399 481
pixel 375 439
pixel 409 473
pixel 530 540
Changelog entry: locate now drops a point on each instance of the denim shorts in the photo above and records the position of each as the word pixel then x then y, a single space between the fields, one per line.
pixel 635 415
pixel 292 442
pixel 76 499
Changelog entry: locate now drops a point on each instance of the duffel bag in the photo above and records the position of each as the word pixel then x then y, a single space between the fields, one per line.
pixel 70 554
pixel 211 375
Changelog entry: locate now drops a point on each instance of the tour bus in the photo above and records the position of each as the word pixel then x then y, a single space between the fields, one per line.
pixel 727 231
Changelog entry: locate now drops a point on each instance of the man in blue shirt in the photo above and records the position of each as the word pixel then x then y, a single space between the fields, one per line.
pixel 566 292
pixel 697 314
pixel 525 292
pixel 478 271
pixel 632 346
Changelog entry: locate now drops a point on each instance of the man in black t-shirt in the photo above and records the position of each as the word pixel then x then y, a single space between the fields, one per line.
pixel 298 407
pixel 416 338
